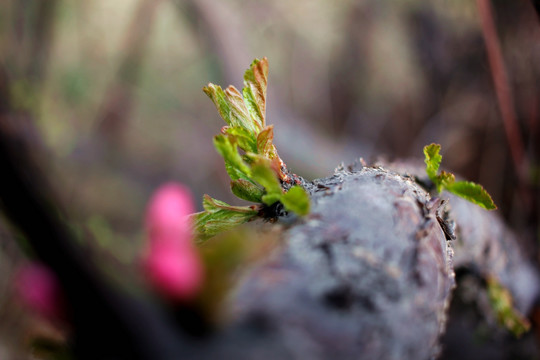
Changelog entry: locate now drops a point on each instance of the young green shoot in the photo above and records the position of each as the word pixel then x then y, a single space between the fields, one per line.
pixel 246 144
pixel 470 191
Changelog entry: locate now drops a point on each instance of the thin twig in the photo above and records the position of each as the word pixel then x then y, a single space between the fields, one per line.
pixel 502 87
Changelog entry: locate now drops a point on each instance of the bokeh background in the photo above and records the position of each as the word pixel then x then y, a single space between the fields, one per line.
pixel 109 94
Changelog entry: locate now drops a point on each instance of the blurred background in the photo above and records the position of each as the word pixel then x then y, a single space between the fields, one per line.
pixel 109 94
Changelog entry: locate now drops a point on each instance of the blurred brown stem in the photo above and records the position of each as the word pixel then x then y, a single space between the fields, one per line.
pixel 502 87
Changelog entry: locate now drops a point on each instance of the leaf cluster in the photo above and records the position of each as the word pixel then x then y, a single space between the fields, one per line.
pixel 470 191
pixel 251 159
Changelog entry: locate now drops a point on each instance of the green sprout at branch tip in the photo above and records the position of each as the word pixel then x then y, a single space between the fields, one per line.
pixel 246 144
pixel 470 191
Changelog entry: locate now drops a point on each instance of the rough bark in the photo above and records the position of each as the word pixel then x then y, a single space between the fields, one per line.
pixel 367 275
pixel 485 245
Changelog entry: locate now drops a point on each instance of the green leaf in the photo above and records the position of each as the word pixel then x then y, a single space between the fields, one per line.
pixel 296 200
pixel 238 112
pixel 265 145
pixel 235 165
pixel 216 93
pixel 251 104
pixel 262 173
pixel 445 180
pixel 212 205
pixel 220 216
pixel 270 199
pixel 207 224
pixel 246 140
pixel 234 173
pixel 432 160
pixel 255 81
pixel 274 164
pixel 231 107
pixel 502 303
pixel 224 221
pixel 246 190
pixel 254 158
pixel 475 193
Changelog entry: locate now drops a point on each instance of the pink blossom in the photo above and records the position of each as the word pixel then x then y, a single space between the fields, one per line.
pixel 175 271
pixel 38 288
pixel 167 213
pixel 172 264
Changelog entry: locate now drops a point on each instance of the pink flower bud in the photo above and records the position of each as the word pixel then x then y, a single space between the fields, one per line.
pixel 174 271
pixel 38 288
pixel 167 213
pixel 172 264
